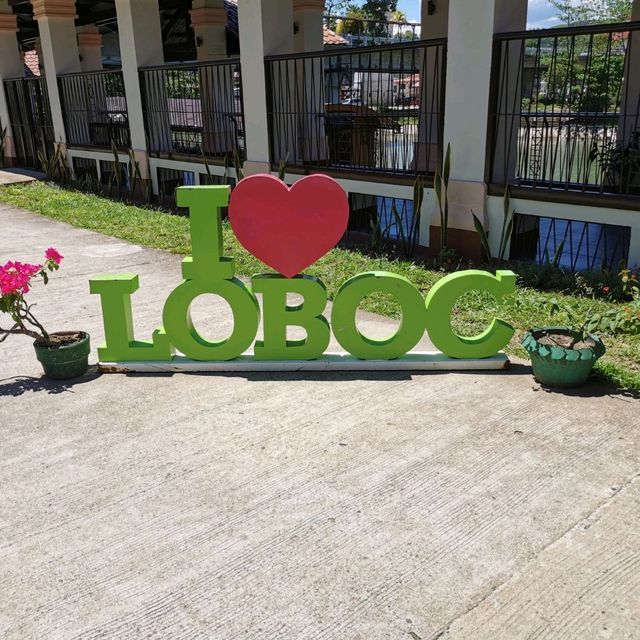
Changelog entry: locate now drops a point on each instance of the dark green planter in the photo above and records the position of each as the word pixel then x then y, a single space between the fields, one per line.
pixel 64 363
pixel 557 366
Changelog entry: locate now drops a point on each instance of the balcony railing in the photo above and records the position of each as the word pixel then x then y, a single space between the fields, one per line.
pixel 566 110
pixel 30 120
pixel 370 111
pixel 194 109
pixel 94 109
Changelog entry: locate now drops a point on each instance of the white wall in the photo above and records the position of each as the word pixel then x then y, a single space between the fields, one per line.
pixel 600 215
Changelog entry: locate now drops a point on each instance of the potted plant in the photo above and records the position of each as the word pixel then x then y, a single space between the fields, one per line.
pixel 620 166
pixel 63 355
pixel 564 356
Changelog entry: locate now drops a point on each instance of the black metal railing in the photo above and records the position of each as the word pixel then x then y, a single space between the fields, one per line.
pixel 570 244
pixel 194 109
pixel 30 120
pixel 377 110
pixel 566 110
pixel 362 32
pixel 94 109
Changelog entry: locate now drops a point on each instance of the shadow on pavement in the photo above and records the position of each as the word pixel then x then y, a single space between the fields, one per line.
pixel 594 388
pixel 354 376
pixel 20 385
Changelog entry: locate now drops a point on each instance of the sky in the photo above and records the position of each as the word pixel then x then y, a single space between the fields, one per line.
pixel 541 13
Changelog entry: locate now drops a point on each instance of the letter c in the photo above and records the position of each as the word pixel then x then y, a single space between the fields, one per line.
pixel 441 300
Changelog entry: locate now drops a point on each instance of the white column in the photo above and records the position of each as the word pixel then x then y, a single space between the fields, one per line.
pixel 90 47
pixel 470 34
pixel 471 26
pixel 629 120
pixel 309 36
pixel 11 66
pixel 434 23
pixel 309 25
pixel 217 97
pixel 209 22
pixel 56 23
pixel 140 45
pixel 266 28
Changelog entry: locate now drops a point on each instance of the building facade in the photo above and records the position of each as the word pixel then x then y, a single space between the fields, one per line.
pixel 191 89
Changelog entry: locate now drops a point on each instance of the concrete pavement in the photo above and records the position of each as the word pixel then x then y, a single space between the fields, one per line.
pixel 15 176
pixel 311 506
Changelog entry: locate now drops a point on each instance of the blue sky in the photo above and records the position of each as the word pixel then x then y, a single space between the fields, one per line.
pixel 541 13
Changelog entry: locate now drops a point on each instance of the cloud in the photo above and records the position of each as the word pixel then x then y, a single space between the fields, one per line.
pixel 544 24
pixel 542 14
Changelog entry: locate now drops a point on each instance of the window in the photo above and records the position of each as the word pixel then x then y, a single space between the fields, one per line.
pixel 571 244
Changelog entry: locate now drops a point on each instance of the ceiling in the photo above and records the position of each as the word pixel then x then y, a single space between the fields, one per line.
pixel 176 24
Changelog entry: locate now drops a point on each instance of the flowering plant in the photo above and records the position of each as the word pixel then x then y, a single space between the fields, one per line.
pixel 16 280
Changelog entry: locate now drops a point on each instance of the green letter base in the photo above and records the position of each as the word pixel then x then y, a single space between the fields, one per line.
pixel 419 361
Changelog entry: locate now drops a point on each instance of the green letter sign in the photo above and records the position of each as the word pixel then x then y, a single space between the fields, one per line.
pixel 278 316
pixel 207 271
pixel 351 294
pixel 441 300
pixel 120 346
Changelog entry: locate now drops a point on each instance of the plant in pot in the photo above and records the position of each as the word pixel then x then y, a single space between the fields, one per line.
pixel 564 356
pixel 620 166
pixel 63 355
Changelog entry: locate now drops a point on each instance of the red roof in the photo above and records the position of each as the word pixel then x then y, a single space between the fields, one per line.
pixel 331 38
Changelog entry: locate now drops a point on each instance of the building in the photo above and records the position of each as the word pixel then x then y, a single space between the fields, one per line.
pixel 187 87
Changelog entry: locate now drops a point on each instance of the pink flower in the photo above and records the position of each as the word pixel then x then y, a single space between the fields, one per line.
pixel 53 255
pixel 15 277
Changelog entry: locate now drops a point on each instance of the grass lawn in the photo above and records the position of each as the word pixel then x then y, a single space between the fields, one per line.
pixel 160 230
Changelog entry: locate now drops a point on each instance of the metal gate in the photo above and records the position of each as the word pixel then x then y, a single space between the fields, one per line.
pixel 30 120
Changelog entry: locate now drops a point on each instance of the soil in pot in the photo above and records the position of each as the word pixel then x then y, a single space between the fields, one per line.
pixel 63 339
pixel 566 341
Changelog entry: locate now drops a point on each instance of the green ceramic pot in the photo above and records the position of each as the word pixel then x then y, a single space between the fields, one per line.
pixel 557 366
pixel 68 361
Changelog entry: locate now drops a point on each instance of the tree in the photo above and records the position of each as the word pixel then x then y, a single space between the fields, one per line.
pixel 593 11
pixel 362 18
pixel 356 24
pixel 585 72
pixel 336 7
pixel 379 9
pixel 371 9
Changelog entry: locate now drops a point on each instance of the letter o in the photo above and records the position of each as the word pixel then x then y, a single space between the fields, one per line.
pixel 349 298
pixel 182 333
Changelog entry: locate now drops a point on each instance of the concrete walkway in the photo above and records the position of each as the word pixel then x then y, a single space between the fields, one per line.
pixel 15 176
pixel 302 506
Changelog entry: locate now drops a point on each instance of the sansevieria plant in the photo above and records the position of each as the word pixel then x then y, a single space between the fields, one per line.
pixel 505 234
pixel 441 184
pixel 3 135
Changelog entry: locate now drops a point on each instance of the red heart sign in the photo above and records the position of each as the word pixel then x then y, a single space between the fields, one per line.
pixel 289 228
